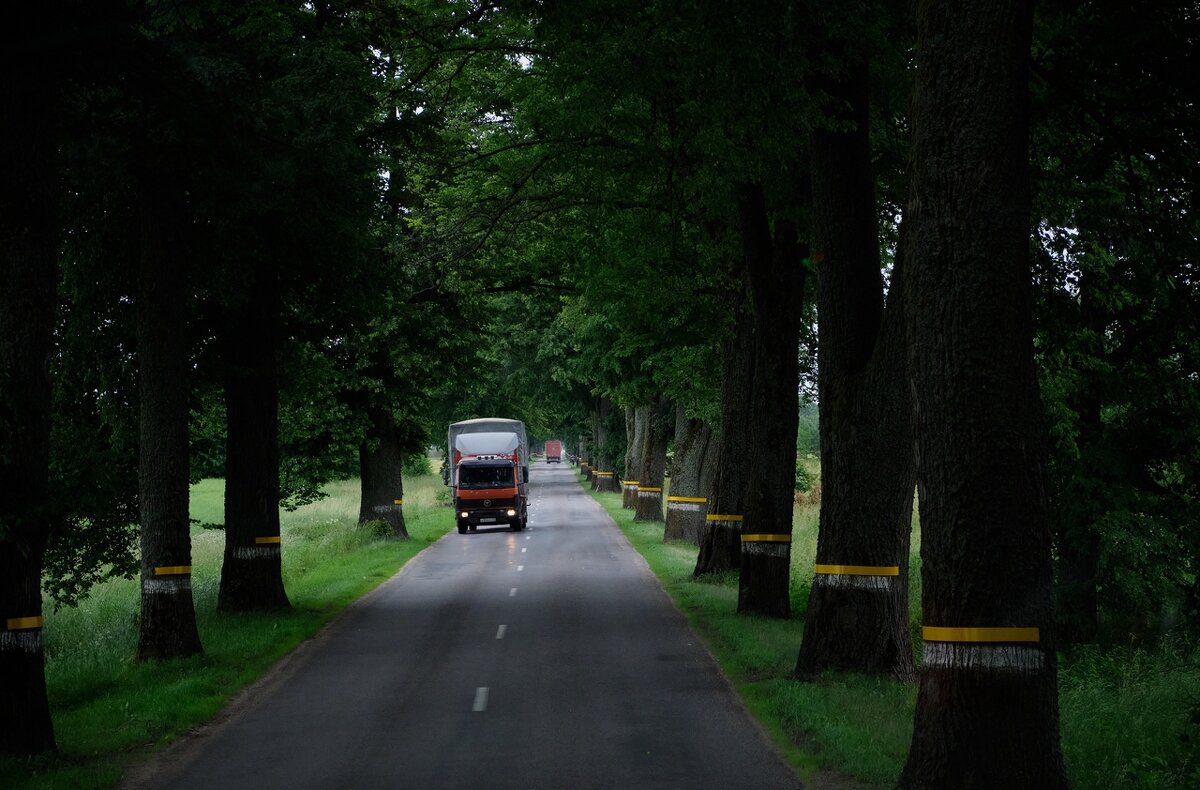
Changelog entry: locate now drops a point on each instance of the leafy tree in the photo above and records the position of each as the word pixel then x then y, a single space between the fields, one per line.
pixel 160 185
pixel 565 189
pixel 1116 308
pixel 288 153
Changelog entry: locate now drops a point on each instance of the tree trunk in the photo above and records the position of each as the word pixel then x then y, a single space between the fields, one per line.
pixel 252 573
pixel 655 438
pixel 585 457
pixel 777 285
pixel 604 478
pixel 857 618
pixel 635 430
pixel 691 478
pixel 720 544
pixel 28 249
pixel 987 710
pixel 380 469
pixel 167 626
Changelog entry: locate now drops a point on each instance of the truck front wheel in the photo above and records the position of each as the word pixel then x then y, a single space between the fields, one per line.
pixel 462 528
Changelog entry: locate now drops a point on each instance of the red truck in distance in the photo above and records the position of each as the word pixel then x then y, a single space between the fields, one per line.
pixel 553 451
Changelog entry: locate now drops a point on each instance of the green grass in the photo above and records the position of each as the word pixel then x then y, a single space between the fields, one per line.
pixel 1130 718
pixel 109 710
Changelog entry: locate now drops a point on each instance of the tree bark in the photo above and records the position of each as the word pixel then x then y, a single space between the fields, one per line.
pixel 655 438
pixel 604 477
pixel 252 572
pixel 28 248
pixel 380 469
pixel 585 457
pixel 167 626
pixel 691 478
pixel 777 287
pixel 635 431
pixel 720 544
pixel 987 710
pixel 857 618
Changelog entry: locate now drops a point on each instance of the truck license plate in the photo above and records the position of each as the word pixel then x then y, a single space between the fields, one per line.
pixel 487 521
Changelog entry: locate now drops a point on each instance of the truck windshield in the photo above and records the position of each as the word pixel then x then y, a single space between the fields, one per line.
pixel 485 476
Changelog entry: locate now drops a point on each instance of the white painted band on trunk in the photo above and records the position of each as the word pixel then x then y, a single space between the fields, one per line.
pixel 994 658
pixel 166 584
pixel 643 493
pixel 29 641
pixel 845 581
pixel 768 548
pixel 693 507
pixel 256 552
pixel 381 509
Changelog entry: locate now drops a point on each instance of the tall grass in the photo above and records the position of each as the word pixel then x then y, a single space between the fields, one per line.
pixel 1130 718
pixel 109 709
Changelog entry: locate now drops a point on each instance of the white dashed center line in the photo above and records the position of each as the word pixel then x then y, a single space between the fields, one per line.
pixel 481 695
pixel 512 593
pixel 500 631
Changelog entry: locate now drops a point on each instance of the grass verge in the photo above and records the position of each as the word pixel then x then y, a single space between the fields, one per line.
pixel 1130 717
pixel 110 711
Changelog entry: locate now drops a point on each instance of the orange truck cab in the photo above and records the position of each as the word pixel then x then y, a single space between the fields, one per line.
pixel 490 474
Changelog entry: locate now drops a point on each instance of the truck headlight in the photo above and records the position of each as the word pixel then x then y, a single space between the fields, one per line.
pixel 512 512
pixel 464 514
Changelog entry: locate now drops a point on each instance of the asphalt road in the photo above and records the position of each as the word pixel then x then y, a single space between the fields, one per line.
pixel 547 659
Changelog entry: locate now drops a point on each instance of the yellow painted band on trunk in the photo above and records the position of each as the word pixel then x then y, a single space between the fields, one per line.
pixel 23 623
pixel 603 474
pixel 766 537
pixel 933 633
pixel 687 499
pixel 722 518
pixel 632 483
pixel 172 570
pixel 397 501
pixel 859 570
pixel 268 539
pixel 651 490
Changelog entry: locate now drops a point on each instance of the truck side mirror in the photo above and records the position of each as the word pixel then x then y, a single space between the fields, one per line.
pixel 524 474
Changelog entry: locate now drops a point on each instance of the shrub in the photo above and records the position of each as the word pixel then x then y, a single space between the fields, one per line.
pixel 378 528
pixel 417 464
pixel 803 482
